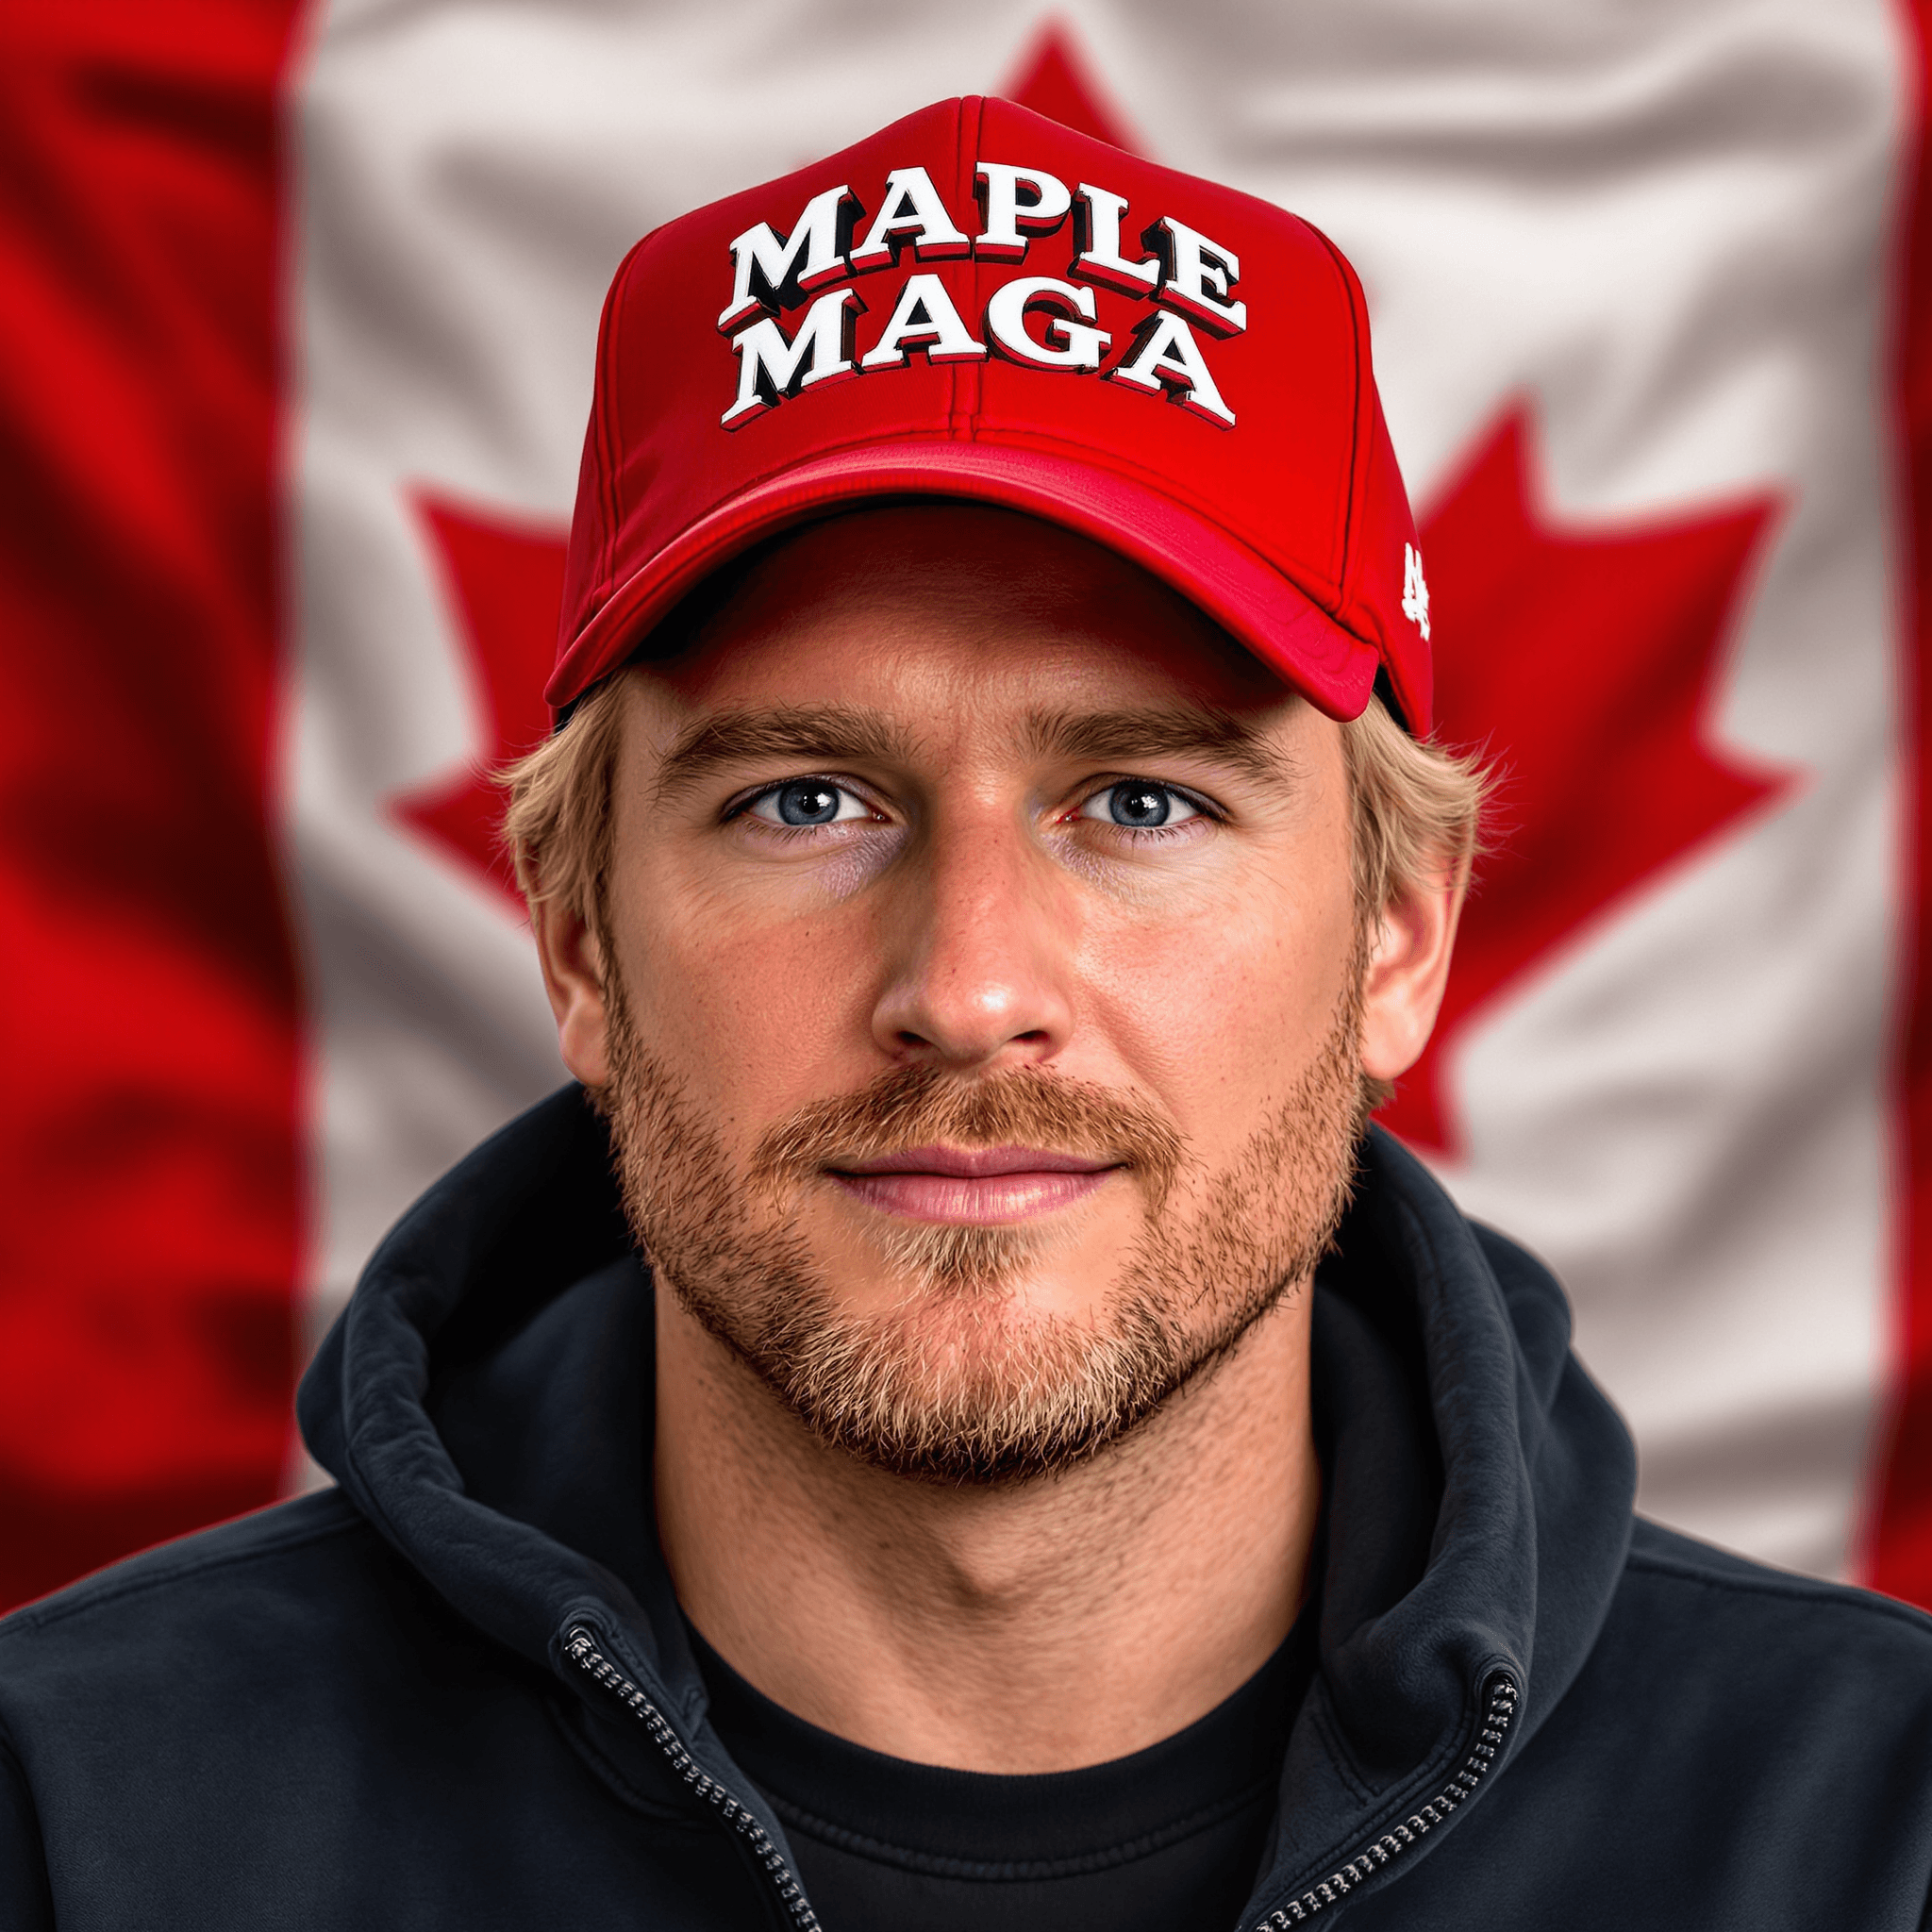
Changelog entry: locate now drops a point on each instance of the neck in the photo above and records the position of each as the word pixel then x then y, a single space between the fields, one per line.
pixel 1028 1628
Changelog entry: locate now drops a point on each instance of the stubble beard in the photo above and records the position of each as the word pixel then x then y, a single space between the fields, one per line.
pixel 956 1382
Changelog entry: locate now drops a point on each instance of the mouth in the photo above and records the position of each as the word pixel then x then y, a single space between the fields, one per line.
pixel 974 1185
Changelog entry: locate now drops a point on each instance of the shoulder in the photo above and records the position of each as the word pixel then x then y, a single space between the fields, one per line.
pixel 214 1621
pixel 1742 1746
pixel 188 1576
pixel 1711 1646
pixel 1680 1576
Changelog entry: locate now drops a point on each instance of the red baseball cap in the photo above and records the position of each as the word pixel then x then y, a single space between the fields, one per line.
pixel 978 302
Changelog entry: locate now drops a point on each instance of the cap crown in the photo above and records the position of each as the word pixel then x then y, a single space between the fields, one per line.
pixel 978 301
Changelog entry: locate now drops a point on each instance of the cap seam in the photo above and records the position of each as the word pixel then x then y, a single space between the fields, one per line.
pixel 1354 513
pixel 962 413
pixel 922 429
pixel 601 565
pixel 611 465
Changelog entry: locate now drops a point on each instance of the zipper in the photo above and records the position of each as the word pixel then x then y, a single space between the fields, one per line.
pixel 1500 1712
pixel 581 1647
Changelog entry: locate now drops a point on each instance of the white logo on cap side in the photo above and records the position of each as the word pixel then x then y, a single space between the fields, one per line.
pixel 1415 590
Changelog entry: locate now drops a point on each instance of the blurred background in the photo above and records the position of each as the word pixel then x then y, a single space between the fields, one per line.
pixel 297 305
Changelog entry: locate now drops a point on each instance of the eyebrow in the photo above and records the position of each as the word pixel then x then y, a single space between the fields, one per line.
pixel 1163 731
pixel 817 734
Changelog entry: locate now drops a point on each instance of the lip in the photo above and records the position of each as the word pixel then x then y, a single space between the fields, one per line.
pixel 978 1163
pixel 974 1185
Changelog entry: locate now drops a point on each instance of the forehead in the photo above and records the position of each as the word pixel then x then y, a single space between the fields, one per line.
pixel 943 607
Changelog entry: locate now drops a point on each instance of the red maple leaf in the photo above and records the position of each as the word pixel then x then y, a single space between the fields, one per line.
pixel 505 581
pixel 1583 659
pixel 1051 77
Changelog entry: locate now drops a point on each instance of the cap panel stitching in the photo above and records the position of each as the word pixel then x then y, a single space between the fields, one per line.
pixel 602 565
pixel 968 168
pixel 1354 509
pixel 967 390
pixel 613 508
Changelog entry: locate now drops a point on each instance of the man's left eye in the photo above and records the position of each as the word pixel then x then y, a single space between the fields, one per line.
pixel 1141 804
pixel 809 801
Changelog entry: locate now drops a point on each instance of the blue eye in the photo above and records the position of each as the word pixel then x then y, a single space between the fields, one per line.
pixel 807 802
pixel 1140 804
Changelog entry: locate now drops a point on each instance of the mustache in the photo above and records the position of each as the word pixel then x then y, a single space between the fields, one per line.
pixel 921 1106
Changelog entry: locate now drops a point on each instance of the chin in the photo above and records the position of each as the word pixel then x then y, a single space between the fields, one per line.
pixel 975 1391
pixel 1041 1269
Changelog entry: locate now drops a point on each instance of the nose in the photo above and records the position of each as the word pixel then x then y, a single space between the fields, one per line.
pixel 979 944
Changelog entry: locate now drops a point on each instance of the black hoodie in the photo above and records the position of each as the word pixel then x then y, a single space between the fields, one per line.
pixel 455 1692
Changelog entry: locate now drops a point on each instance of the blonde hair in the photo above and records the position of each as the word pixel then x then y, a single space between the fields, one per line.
pixel 1415 819
pixel 558 823
pixel 1415 809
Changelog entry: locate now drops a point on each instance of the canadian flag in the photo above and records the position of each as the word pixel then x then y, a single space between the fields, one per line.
pixel 295 361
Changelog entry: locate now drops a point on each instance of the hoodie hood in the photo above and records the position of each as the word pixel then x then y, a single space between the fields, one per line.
pixel 485 1401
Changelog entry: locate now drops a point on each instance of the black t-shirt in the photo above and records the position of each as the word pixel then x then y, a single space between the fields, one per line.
pixel 1170 1839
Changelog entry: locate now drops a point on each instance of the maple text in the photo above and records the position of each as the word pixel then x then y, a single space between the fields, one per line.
pixel 1037 321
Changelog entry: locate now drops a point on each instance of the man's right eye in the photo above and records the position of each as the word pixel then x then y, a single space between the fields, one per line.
pixel 809 801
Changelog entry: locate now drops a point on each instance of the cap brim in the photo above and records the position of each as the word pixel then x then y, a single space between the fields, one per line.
pixel 1224 576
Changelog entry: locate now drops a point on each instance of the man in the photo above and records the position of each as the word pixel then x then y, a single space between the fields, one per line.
pixel 954 1424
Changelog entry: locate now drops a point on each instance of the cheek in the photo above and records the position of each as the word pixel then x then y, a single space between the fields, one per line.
pixel 1221 1014
pixel 750 1010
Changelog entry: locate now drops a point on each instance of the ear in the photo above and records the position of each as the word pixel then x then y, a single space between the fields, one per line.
pixel 1409 970
pixel 572 962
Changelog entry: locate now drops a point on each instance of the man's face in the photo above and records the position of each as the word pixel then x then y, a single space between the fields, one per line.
pixel 984 987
